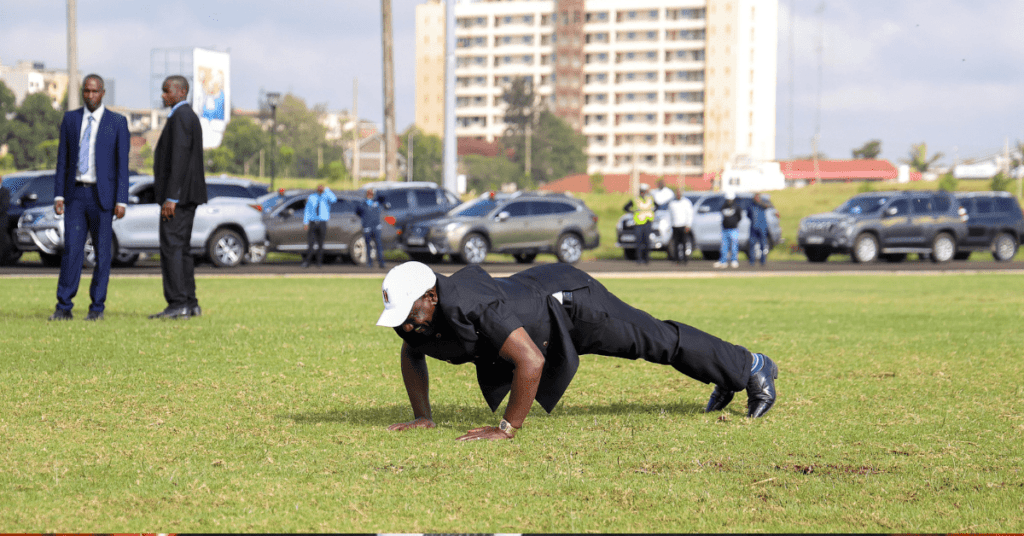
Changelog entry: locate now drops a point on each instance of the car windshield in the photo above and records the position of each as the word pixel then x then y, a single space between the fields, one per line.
pixel 863 205
pixel 477 207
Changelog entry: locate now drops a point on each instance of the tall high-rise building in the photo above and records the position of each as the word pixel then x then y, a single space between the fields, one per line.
pixel 664 86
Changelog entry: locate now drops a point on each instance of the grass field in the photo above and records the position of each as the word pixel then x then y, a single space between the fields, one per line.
pixel 900 411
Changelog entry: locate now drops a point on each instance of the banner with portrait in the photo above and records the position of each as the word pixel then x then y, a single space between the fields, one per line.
pixel 211 96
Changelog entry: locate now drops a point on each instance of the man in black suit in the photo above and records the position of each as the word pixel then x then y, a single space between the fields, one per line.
pixel 180 186
pixel 524 334
pixel 90 190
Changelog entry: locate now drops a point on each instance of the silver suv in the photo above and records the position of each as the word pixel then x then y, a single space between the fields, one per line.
pixel 523 224
pixel 228 229
pixel 706 232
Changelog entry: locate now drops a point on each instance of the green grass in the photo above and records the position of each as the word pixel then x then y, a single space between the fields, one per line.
pixel 898 412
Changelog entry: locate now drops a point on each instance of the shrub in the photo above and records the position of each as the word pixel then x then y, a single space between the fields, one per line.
pixel 948 182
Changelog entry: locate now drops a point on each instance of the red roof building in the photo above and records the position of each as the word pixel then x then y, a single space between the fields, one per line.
pixel 841 171
pixel 619 183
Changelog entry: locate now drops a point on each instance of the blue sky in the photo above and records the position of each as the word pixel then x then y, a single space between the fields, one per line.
pixel 944 72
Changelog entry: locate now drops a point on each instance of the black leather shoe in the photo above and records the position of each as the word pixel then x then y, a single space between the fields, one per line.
pixel 719 399
pixel 61 314
pixel 761 389
pixel 94 315
pixel 172 313
pixel 195 310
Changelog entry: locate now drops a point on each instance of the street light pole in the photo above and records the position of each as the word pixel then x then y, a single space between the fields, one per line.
pixel 273 99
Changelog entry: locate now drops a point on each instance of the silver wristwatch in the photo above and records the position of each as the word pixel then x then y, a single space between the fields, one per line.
pixel 507 427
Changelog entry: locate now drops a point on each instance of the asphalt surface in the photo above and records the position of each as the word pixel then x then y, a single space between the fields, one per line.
pixel 617 268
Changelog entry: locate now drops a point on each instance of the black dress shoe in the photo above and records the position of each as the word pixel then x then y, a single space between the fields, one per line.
pixel 94 315
pixel 61 314
pixel 172 313
pixel 195 310
pixel 719 399
pixel 761 389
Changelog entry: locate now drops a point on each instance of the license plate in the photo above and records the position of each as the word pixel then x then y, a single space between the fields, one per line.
pixel 415 241
pixel 815 240
pixel 627 238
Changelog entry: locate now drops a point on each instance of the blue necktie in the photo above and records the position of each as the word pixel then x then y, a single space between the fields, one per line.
pixel 83 148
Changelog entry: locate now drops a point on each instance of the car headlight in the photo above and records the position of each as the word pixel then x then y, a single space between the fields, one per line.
pixel 27 219
pixel 451 227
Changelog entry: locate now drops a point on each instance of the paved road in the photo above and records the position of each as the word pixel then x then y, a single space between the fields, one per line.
pixel 618 268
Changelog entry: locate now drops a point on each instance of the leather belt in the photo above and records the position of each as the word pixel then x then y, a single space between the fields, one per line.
pixel 85 184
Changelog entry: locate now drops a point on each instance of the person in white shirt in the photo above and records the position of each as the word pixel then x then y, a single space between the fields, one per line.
pixel 681 210
pixel 663 195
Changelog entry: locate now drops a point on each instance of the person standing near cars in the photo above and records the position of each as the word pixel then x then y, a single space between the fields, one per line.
pixel 369 210
pixel 642 207
pixel 663 195
pixel 681 211
pixel 758 214
pixel 90 189
pixel 180 187
pixel 729 250
pixel 314 221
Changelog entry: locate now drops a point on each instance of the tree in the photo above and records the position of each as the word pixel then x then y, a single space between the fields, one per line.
pixel 868 151
pixel 558 150
pixel 918 158
pixel 519 106
pixel 299 128
pixel 427 155
pixel 948 182
pixel 485 173
pixel 1000 183
pixel 7 100
pixel 34 123
pixel 245 139
pixel 219 159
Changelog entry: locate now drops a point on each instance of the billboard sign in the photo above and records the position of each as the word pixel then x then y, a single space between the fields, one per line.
pixel 211 94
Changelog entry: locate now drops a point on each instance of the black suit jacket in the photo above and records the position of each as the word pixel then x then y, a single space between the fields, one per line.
pixel 178 160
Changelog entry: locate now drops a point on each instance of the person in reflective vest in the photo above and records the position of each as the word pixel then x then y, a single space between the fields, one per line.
pixel 642 207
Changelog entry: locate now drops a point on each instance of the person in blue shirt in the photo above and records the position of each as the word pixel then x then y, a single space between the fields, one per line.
pixel 758 214
pixel 369 211
pixel 314 221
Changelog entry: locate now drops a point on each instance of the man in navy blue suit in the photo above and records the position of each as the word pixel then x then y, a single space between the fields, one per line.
pixel 90 189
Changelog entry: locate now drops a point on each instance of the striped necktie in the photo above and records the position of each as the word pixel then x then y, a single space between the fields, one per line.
pixel 83 148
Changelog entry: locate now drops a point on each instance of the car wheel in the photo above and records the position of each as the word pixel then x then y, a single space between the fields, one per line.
pixel 865 248
pixel 51 260
pixel 358 253
pixel 474 249
pixel 1004 247
pixel 943 248
pixel 255 255
pixel 817 254
pixel 524 258
pixel 10 256
pixel 629 254
pixel 569 248
pixel 226 249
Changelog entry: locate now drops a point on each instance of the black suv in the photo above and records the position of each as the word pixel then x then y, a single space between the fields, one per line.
pixel 409 202
pixel 887 225
pixel 27 189
pixel 994 223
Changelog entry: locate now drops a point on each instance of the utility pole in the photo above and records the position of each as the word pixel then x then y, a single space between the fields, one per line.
pixel 391 163
pixel 356 157
pixel 74 84
pixel 529 146
pixel 450 145
pixel 408 156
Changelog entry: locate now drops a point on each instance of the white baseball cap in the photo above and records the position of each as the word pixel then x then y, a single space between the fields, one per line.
pixel 403 285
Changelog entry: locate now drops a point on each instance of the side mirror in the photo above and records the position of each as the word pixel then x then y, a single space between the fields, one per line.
pixel 891 211
pixel 704 209
pixel 29 198
pixel 502 216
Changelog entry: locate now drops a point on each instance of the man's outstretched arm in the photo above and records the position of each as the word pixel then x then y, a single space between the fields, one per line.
pixel 417 384
pixel 520 350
